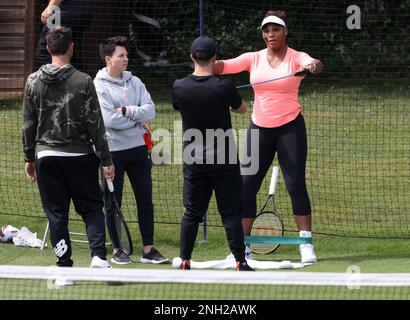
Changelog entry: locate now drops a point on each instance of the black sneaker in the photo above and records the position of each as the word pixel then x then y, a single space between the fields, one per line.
pixel 184 266
pixel 153 257
pixel 120 257
pixel 243 266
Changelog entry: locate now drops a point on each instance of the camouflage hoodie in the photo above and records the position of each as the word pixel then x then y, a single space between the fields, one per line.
pixel 61 113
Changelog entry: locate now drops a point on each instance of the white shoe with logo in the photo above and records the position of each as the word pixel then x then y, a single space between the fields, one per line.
pixel 97 262
pixel 248 252
pixel 307 253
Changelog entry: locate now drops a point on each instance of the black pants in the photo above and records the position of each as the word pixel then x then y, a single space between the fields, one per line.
pixel 198 187
pixel 61 179
pixel 137 164
pixel 290 142
pixel 78 22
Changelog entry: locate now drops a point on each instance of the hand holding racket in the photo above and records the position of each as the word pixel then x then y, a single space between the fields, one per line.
pixel 268 222
pixel 109 172
pixel 121 226
pixel 148 137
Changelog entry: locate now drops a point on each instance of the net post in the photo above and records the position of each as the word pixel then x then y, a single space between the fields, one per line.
pixel 201 17
pixel 43 243
pixel 201 33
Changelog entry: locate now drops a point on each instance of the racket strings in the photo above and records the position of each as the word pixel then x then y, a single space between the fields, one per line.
pixel 121 228
pixel 266 224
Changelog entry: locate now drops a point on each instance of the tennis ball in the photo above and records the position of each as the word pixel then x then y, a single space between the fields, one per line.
pixel 176 262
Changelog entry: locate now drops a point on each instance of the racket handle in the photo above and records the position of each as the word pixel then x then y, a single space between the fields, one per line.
pixel 110 185
pixel 273 180
pixel 302 73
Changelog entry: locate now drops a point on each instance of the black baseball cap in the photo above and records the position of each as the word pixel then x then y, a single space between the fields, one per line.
pixel 205 45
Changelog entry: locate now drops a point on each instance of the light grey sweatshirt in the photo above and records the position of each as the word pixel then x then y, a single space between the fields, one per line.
pixel 124 132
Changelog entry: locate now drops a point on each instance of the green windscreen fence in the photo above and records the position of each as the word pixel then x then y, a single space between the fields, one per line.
pixel 357 111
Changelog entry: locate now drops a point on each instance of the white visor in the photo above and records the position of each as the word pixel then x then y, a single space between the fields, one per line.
pixel 273 19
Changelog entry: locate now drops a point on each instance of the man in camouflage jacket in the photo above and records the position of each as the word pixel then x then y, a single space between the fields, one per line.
pixel 62 126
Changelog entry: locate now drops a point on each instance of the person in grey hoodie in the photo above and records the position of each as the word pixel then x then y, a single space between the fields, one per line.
pixel 126 107
pixel 62 127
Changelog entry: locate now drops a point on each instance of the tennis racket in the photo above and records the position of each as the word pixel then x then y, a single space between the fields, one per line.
pixel 268 222
pixel 297 74
pixel 121 227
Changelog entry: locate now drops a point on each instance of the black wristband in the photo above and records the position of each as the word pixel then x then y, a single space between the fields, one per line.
pixel 123 111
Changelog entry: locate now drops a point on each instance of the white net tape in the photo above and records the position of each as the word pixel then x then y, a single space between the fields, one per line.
pixel 206 276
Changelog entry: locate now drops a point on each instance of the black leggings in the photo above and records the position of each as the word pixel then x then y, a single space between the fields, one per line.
pixel 290 142
pixel 137 165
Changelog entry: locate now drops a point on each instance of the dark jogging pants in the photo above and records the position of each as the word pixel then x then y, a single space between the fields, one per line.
pixel 198 187
pixel 60 180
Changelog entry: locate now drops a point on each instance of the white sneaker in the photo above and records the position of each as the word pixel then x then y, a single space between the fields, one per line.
pixel 248 253
pixel 62 282
pixel 307 253
pixel 97 262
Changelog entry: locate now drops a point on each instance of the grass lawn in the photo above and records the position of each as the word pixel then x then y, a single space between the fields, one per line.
pixel 358 170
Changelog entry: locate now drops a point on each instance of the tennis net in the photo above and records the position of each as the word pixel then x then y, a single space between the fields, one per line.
pixel 34 283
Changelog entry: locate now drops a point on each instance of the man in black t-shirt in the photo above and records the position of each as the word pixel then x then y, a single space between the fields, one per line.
pixel 210 155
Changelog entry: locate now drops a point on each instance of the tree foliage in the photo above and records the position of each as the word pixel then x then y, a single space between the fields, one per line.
pixel 380 49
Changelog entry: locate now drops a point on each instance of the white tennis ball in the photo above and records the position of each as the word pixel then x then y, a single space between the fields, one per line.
pixel 176 262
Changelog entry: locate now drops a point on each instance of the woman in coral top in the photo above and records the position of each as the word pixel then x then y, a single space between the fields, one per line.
pixel 277 117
